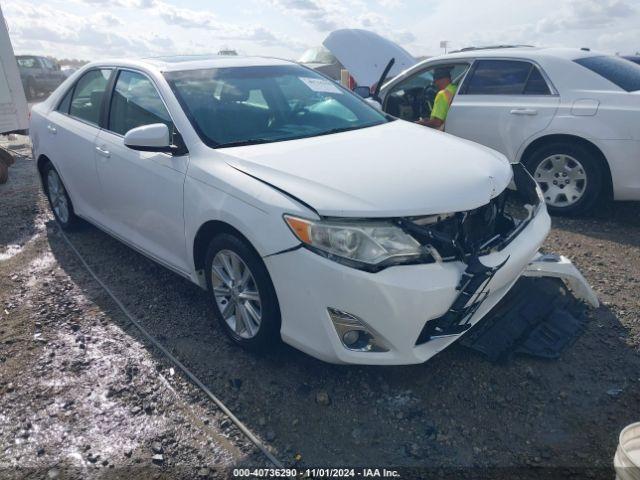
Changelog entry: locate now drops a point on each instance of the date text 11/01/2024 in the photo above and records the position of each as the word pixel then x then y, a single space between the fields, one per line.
pixel 316 472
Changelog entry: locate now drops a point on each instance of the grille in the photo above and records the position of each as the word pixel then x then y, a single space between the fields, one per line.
pixel 475 232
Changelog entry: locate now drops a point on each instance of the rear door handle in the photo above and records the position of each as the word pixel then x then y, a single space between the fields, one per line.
pixel 103 151
pixel 523 111
pixel 53 130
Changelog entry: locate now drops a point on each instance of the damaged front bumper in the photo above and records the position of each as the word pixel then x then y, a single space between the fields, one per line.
pixel 413 311
pixel 395 303
pixel 558 266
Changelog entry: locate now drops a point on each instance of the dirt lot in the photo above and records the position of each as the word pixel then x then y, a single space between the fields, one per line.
pixel 72 374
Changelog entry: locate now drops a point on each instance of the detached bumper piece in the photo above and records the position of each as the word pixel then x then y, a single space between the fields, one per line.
pixel 538 317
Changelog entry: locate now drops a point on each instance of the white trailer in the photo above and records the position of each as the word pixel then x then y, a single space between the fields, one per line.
pixel 14 117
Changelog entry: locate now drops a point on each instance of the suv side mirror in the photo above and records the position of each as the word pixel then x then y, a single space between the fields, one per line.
pixel 364 92
pixel 149 138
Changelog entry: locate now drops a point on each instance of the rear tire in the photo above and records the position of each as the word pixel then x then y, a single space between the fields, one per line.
pixel 6 157
pixel 58 197
pixel 570 176
pixel 241 293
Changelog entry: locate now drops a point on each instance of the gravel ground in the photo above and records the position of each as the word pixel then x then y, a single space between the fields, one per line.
pixel 96 401
pixel 457 412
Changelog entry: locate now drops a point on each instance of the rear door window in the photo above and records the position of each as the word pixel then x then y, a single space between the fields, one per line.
pixel 621 72
pixel 88 94
pixel 505 77
pixel 536 84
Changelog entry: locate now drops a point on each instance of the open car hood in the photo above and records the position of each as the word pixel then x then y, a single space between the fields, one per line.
pixel 391 170
pixel 365 54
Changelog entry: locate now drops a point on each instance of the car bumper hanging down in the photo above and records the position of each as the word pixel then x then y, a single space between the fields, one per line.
pixel 540 316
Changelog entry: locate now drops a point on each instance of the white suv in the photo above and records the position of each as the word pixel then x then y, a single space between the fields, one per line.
pixel 571 116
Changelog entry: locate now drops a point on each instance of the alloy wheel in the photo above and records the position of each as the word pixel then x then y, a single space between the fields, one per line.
pixel 236 294
pixel 562 178
pixel 57 196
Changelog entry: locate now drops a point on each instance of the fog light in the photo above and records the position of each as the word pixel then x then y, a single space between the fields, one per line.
pixel 351 337
pixel 355 334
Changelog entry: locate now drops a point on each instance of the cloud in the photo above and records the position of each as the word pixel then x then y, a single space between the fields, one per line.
pixel 55 30
pixel 381 25
pixel 585 14
pixel 323 15
pixel 328 15
pixel 195 19
pixel 626 41
pixel 391 3
pixel 96 28
pixel 107 19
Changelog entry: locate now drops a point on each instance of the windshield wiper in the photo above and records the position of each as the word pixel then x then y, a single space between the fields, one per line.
pixel 255 141
pixel 250 141
pixel 345 129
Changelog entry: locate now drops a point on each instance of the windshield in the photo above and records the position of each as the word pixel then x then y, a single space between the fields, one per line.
pixel 248 105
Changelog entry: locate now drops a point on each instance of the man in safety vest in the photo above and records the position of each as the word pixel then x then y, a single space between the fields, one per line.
pixel 444 97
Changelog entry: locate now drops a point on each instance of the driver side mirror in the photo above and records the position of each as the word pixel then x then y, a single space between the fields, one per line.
pixel 149 138
pixel 364 92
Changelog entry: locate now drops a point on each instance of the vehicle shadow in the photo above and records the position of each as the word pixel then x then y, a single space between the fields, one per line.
pixel 614 221
pixel 457 410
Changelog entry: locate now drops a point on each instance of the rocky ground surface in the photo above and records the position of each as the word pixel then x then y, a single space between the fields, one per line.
pixel 81 395
pixel 78 387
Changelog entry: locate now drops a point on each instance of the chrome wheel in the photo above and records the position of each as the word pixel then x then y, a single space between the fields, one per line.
pixel 563 180
pixel 236 294
pixel 57 196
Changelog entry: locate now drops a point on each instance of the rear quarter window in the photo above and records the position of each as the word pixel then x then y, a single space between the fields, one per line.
pixel 621 72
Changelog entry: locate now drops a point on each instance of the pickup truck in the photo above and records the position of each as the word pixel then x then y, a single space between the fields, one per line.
pixel 39 75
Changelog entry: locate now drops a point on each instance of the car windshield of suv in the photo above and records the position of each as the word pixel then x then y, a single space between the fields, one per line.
pixel 249 105
pixel 617 70
pixel 26 62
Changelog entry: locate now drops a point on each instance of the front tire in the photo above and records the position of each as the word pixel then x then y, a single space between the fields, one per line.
pixel 570 176
pixel 241 293
pixel 59 200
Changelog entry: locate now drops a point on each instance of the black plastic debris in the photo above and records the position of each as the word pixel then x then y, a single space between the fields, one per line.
pixel 538 317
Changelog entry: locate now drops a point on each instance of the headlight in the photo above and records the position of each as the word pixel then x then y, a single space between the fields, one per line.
pixel 359 241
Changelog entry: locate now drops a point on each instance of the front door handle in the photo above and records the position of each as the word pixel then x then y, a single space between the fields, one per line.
pixel 52 130
pixel 103 151
pixel 523 111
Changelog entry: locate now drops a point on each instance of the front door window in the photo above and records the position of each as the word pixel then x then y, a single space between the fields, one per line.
pixel 413 97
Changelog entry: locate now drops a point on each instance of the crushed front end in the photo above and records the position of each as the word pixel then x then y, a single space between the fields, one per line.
pixel 406 313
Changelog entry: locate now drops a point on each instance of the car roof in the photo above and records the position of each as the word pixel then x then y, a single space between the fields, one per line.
pixel 521 52
pixel 193 62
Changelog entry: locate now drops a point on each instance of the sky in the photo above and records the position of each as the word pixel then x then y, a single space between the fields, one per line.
pixel 95 29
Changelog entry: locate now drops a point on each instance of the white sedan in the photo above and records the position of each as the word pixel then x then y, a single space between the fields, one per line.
pixel 571 116
pixel 307 214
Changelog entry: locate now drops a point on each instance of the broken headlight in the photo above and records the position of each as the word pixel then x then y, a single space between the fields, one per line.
pixel 356 242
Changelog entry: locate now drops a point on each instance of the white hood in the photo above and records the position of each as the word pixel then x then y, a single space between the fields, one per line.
pixel 395 169
pixel 365 54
